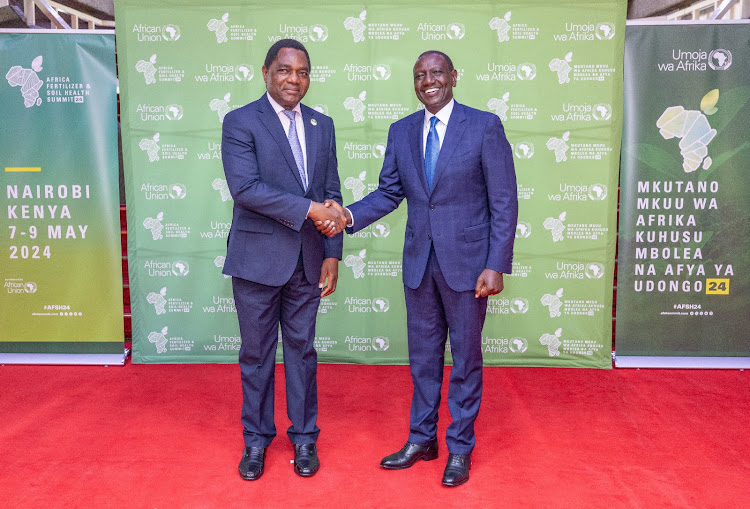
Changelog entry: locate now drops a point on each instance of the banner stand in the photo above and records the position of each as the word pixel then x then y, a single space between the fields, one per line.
pixel 682 284
pixel 644 361
pixel 61 301
pixel 78 359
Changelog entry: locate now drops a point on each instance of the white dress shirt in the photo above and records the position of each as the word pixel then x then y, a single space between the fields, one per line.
pixel 285 123
pixel 279 109
pixel 443 116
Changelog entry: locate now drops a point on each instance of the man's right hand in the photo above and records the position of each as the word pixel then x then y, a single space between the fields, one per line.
pixel 329 217
pixel 329 227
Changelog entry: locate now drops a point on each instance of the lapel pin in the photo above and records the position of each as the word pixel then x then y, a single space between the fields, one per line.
pixel 313 121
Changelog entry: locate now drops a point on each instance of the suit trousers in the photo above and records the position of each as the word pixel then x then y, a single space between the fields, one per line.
pixel 434 309
pixel 260 310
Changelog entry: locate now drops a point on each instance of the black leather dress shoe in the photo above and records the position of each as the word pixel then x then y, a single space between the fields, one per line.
pixel 252 462
pixel 457 470
pixel 306 461
pixel 410 454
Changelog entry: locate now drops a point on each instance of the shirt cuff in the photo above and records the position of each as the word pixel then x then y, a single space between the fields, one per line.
pixel 350 225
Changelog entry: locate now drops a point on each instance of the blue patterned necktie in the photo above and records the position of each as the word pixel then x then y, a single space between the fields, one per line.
pixel 431 152
pixel 296 146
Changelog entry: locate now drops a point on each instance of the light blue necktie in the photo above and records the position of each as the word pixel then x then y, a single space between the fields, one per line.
pixel 431 152
pixel 296 146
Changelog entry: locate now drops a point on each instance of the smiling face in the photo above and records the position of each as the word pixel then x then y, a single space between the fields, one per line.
pixel 434 81
pixel 288 77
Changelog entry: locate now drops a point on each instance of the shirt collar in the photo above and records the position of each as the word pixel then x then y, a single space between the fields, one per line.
pixel 443 115
pixel 279 108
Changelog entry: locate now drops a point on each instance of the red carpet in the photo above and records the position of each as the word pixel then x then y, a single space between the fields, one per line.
pixel 169 436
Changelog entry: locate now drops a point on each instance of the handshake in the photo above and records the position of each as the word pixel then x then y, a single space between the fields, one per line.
pixel 329 217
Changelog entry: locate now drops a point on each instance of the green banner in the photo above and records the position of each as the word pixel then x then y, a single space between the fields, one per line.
pixel 62 268
pixel 683 257
pixel 550 70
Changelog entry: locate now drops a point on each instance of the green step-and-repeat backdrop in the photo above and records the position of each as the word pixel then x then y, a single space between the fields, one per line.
pixel 551 70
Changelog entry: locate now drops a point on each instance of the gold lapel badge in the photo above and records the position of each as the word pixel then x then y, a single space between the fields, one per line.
pixel 313 121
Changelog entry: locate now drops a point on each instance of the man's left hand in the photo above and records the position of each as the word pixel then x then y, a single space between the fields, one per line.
pixel 329 271
pixel 489 283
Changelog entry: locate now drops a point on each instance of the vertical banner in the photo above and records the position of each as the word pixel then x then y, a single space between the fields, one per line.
pixel 684 268
pixel 551 70
pixel 60 230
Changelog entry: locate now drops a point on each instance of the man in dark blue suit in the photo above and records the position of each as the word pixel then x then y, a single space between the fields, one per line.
pixel 280 162
pixel 454 166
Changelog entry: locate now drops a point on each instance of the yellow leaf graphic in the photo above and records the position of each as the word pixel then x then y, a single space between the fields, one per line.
pixel 709 101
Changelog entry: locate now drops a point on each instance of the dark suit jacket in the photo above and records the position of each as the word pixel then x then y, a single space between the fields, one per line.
pixel 270 204
pixel 470 216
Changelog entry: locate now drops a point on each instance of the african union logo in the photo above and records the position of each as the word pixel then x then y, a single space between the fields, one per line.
pixel 720 59
pixel 380 343
pixel 177 191
pixel 244 72
pixel 524 150
pixel 29 287
pixel 180 268
pixel 380 304
pixel 518 345
pixel 605 31
pixel 170 32
pixel 456 31
pixel 526 71
pixel 602 111
pixel 381 72
pixel 320 108
pixel 378 150
pixel 519 305
pixel 381 230
pixel 318 33
pixel 173 112
pixel 523 230
pixel 597 192
pixel 594 270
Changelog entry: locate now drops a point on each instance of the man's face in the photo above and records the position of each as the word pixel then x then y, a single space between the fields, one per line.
pixel 288 77
pixel 434 81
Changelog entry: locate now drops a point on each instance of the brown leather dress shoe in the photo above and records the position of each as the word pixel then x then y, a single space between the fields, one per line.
pixel 252 463
pixel 410 454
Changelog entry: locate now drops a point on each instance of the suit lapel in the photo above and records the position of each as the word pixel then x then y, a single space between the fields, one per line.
pixel 416 142
pixel 456 128
pixel 312 135
pixel 272 122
